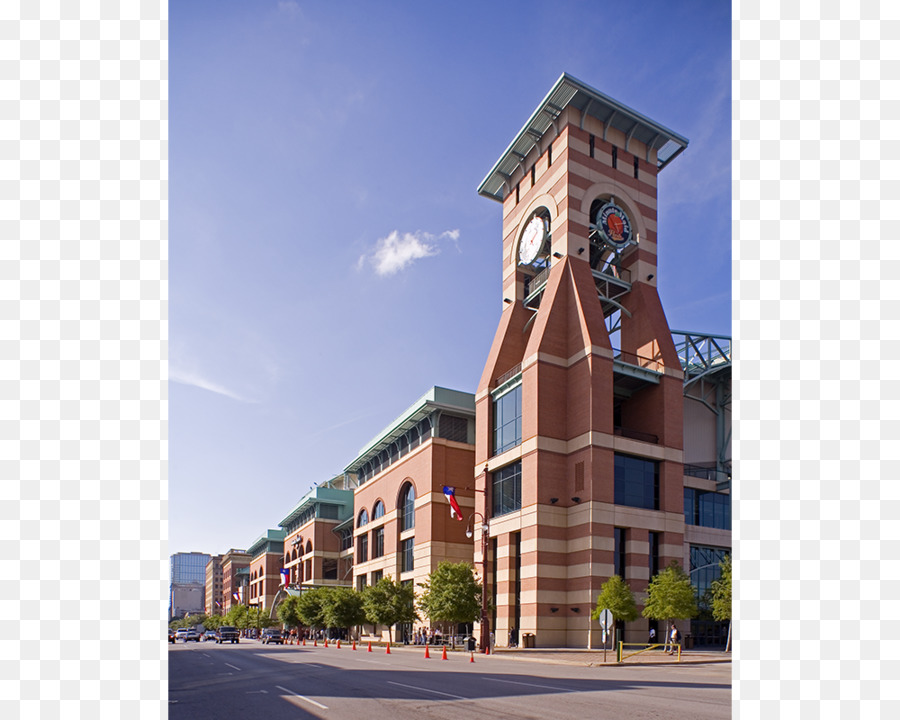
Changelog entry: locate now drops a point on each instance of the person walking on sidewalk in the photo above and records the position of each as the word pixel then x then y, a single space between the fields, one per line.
pixel 674 638
pixel 652 639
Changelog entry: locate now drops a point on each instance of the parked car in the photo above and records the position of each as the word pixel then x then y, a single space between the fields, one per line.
pixel 181 634
pixel 272 635
pixel 192 634
pixel 227 633
pixel 171 636
pixel 208 635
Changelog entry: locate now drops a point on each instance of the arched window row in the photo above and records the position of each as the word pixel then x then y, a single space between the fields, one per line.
pixel 406 507
pixel 407 442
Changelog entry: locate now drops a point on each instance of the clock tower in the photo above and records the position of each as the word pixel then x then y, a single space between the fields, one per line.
pixel 579 409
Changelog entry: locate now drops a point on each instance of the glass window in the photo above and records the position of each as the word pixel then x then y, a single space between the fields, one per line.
pixel 407 507
pixel 378 510
pixel 329 569
pixel 377 542
pixel 376 576
pixel 508 420
pixel 406 555
pixel 619 566
pixel 507 489
pixel 362 548
pixel 363 518
pixel 360 582
pixel 707 508
pixel 654 553
pixel 705 566
pixel 636 482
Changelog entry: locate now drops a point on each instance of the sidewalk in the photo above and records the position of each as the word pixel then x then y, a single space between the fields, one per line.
pixel 577 656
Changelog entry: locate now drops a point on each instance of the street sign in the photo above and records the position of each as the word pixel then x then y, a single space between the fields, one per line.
pixel 606 619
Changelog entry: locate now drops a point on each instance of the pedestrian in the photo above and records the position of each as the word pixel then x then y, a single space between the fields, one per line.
pixel 513 637
pixel 652 639
pixel 675 638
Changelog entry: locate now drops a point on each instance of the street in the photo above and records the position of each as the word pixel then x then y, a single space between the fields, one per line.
pixel 252 680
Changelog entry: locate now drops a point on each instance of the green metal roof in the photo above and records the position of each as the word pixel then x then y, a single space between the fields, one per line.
pixel 331 496
pixel 262 543
pixel 571 92
pixel 438 398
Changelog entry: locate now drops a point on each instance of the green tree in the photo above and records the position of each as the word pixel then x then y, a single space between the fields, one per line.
pixel 721 596
pixel 451 595
pixel 616 596
pixel 288 611
pixel 342 608
pixel 309 607
pixel 389 603
pixel 213 621
pixel 237 616
pixel 670 596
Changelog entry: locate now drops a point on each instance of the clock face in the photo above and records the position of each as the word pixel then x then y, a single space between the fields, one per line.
pixel 614 226
pixel 532 240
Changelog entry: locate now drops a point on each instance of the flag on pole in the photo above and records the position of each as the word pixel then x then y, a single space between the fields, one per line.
pixel 236 596
pixel 450 492
pixel 285 576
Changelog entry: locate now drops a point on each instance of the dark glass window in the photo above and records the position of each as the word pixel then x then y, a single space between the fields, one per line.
pixel 378 510
pixel 406 555
pixel 508 420
pixel 346 539
pixel 636 482
pixel 532 175
pixel 635 166
pixel 454 428
pixel 615 156
pixel 363 518
pixel 361 582
pixel 507 484
pixel 549 154
pixel 517 192
pixel 707 508
pixel 407 507
pixel 329 569
pixel 619 534
pixel 654 553
pixel 376 576
pixel 377 542
pixel 362 548
pixel 592 145
pixel 705 566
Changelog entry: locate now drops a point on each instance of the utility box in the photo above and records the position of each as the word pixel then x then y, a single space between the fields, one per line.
pixel 527 640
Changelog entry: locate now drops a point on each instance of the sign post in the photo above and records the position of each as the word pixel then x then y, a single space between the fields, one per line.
pixel 606 622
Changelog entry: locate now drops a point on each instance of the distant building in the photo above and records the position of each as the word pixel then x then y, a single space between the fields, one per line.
pixel 215 604
pixel 265 568
pixel 187 584
pixel 235 578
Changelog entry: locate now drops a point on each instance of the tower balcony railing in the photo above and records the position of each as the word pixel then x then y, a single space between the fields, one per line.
pixel 635 360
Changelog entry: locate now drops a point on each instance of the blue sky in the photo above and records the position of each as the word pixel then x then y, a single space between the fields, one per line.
pixel 329 257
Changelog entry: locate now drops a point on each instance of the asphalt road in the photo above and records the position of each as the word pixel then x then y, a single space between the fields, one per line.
pixel 219 682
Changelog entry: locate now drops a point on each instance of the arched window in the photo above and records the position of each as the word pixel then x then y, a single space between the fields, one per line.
pixel 378 510
pixel 287 557
pixel 363 518
pixel 406 507
pixel 308 547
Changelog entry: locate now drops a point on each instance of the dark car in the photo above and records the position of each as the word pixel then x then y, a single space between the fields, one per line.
pixel 171 636
pixel 271 635
pixel 227 633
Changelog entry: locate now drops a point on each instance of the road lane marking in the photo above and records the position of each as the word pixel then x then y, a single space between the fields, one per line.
pixel 513 682
pixel 232 666
pixel 309 700
pixel 436 692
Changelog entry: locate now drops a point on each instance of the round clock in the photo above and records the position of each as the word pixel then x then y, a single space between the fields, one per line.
pixel 614 225
pixel 532 240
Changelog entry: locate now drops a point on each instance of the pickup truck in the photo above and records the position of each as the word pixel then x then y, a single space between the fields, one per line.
pixel 227 633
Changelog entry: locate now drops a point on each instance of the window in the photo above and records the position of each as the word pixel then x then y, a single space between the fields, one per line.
pixel 308 546
pixel 635 167
pixel 532 175
pixel 619 552
pixel 360 583
pixel 507 494
pixel 654 553
pixel 705 566
pixel 378 510
pixel 362 548
pixel 591 144
pixel 615 156
pixel 406 555
pixel 517 193
pixel 454 428
pixel 377 542
pixel 549 155
pixel 346 539
pixel 363 518
pixel 407 507
pixel 508 420
pixel 329 569
pixel 636 482
pixel 376 576
pixel 707 509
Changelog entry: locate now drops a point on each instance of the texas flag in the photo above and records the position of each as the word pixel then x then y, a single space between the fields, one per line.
pixel 285 575
pixel 450 492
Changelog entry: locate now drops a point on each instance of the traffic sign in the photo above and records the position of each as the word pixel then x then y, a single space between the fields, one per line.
pixel 606 619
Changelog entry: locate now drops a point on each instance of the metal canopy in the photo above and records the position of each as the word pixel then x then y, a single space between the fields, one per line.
pixel 571 92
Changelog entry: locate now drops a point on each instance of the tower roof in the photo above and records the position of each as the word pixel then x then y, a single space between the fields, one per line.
pixel 571 92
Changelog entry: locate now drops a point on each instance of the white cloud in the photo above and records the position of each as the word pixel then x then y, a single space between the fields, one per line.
pixel 288 6
pixel 396 252
pixel 195 380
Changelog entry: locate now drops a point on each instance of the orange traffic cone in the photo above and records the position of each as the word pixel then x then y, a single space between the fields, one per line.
pixel 471 657
pixel 388 652
pixel 370 646
pixel 315 642
pixel 339 644
pixel 326 642
pixel 427 656
pixel 444 654
pixel 487 650
pixel 304 642
pixel 354 644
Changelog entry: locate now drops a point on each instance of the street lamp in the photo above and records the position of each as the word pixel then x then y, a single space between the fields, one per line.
pixel 484 576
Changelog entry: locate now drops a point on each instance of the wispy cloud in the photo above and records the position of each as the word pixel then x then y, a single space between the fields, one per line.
pixel 398 251
pixel 188 378
pixel 289 7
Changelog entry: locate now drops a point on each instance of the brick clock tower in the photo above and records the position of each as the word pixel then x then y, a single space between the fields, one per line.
pixel 579 409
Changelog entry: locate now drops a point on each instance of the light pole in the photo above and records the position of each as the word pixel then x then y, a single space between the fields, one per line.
pixel 485 635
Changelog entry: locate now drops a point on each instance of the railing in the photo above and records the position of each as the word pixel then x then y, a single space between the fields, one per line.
pixel 707 473
pixel 508 375
pixel 636 435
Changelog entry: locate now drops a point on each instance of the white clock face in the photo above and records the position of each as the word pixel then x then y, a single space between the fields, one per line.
pixel 532 241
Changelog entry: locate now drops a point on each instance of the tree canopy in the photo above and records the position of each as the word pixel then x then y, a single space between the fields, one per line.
pixel 310 607
pixel 288 612
pixel 389 603
pixel 670 595
pixel 342 607
pixel 451 594
pixel 616 596
pixel 721 591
